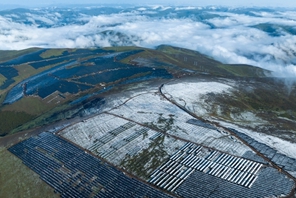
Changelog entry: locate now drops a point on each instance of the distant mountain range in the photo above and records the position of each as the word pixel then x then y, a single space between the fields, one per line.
pixel 262 37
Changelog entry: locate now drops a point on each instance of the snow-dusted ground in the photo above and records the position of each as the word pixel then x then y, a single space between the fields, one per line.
pixel 134 148
pixel 247 117
pixel 193 95
pixel 147 107
pixel 212 138
pixel 86 132
pixel 190 94
pixel 278 144
pixel 194 90
pixel 153 110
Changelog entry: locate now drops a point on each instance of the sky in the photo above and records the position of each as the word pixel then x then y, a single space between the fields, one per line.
pixel 260 3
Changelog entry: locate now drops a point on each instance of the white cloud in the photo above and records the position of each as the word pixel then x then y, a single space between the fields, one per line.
pixel 187 8
pixel 232 19
pixel 232 41
pixel 33 18
pixel 142 9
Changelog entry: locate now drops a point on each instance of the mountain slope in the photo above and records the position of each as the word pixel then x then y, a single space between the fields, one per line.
pixel 39 83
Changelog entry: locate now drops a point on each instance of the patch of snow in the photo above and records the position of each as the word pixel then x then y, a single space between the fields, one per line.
pixel 247 117
pixel 193 90
pixel 191 93
pixel 86 132
pixel 147 108
pixel 284 118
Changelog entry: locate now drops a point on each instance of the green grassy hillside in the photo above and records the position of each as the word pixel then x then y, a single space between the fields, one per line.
pixel 199 62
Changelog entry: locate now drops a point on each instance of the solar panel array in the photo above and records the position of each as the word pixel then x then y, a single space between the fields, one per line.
pixel 74 173
pixel 190 158
pixel 201 123
pixel 110 136
pixel 281 160
pixel 270 183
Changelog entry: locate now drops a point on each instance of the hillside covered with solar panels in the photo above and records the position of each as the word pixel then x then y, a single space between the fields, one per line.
pixel 137 122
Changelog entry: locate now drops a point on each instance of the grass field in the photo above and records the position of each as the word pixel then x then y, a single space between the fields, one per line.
pixel 2 79
pixel 244 70
pixel 24 71
pixel 11 119
pixel 30 105
pixel 52 53
pixel 18 181
pixel 55 114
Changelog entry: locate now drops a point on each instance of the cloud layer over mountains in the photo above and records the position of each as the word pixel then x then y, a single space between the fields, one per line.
pixel 261 37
